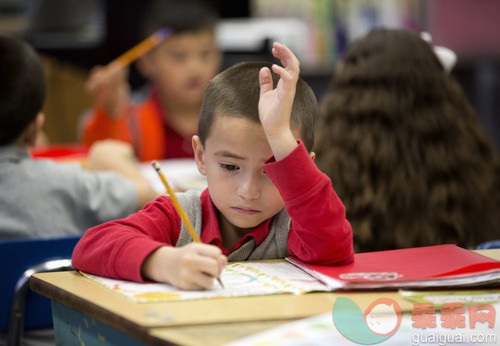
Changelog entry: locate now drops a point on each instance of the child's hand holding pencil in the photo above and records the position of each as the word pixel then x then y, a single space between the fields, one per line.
pixel 109 85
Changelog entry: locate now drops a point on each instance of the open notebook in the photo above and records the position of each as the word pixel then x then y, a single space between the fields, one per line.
pixel 424 267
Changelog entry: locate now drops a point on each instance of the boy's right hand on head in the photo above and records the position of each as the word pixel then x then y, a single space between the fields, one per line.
pixel 110 88
pixel 191 267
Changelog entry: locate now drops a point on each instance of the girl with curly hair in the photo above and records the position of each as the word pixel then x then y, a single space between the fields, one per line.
pixel 404 148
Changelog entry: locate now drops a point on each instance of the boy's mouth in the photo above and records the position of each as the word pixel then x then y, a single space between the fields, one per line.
pixel 194 83
pixel 245 211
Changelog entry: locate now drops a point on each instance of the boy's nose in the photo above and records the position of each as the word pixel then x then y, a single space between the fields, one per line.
pixel 249 188
pixel 197 63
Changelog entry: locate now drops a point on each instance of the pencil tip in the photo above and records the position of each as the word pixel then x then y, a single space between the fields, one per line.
pixel 220 283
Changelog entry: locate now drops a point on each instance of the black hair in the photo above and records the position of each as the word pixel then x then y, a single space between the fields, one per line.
pixel 179 16
pixel 22 87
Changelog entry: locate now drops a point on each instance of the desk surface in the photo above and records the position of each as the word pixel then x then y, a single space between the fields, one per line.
pixel 208 321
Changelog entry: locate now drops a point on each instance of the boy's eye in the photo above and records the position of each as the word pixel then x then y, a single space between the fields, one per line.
pixel 228 167
pixel 207 54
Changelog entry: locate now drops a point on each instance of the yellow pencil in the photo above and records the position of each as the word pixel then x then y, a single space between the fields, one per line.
pixel 178 207
pixel 140 49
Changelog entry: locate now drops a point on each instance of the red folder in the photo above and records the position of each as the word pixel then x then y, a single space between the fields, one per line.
pixel 430 266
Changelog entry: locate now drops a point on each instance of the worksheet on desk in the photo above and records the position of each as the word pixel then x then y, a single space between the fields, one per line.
pixel 239 279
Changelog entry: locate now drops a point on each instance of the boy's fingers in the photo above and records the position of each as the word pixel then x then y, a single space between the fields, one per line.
pixel 222 263
pixel 100 75
pixel 113 68
pixel 211 259
pixel 282 72
pixel 282 52
pixel 92 83
pixel 207 250
pixel 290 69
pixel 265 80
pixel 196 280
pixel 208 265
pixel 203 280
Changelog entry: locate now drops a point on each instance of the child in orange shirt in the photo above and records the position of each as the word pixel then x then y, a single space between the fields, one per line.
pixel 178 69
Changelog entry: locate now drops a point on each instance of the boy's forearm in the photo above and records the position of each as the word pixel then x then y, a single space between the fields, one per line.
pixel 129 169
pixel 119 157
pixel 109 251
pixel 282 143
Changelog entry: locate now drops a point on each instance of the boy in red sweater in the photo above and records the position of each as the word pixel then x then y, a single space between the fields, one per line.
pixel 265 199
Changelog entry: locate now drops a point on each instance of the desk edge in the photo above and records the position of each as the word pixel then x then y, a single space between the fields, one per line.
pixel 87 308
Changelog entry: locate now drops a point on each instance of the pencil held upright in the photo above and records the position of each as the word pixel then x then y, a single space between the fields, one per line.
pixel 179 208
pixel 140 49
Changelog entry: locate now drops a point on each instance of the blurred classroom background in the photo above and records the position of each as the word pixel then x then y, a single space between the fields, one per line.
pixel 75 35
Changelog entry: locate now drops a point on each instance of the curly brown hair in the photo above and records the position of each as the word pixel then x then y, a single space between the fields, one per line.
pixel 405 150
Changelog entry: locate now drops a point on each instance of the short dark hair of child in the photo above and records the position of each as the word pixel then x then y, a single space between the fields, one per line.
pixel 179 16
pixel 22 87
pixel 236 92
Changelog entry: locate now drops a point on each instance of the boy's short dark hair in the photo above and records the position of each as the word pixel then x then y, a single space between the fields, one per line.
pixel 22 87
pixel 179 15
pixel 236 92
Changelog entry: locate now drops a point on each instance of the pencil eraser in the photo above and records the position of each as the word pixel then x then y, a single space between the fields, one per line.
pixel 163 33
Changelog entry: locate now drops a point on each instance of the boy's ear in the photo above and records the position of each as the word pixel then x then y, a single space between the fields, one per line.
pixel 33 130
pixel 312 154
pixel 199 155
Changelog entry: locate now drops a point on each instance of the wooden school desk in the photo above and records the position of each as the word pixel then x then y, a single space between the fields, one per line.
pixel 86 312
